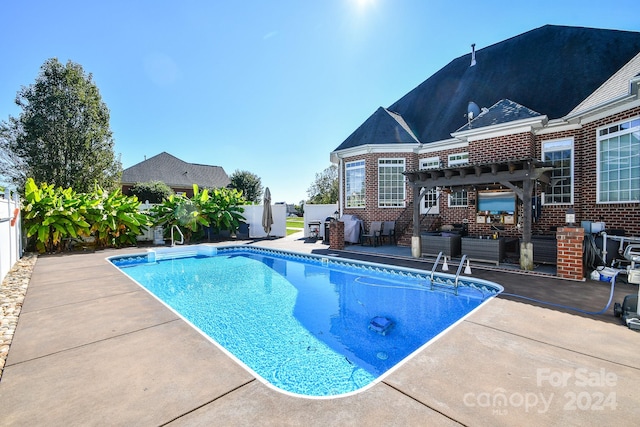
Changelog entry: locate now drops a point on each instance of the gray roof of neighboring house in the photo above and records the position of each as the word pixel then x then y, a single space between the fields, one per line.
pixel 175 173
pixel 550 70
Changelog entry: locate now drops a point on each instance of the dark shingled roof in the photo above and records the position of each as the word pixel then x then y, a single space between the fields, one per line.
pixel 503 111
pixel 382 127
pixel 550 70
pixel 175 173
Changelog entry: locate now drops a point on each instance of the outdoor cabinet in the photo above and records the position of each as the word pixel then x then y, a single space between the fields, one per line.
pixel 490 250
pixel 434 243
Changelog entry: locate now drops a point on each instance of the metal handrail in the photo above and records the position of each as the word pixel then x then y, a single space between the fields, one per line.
pixel 464 257
pixel 406 223
pixel 181 242
pixel 434 267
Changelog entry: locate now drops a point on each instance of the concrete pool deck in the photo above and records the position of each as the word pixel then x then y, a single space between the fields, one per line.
pixel 92 348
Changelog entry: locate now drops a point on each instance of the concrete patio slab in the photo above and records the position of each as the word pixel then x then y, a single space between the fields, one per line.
pixel 72 291
pixel 146 377
pixel 481 375
pixel 562 330
pixel 69 326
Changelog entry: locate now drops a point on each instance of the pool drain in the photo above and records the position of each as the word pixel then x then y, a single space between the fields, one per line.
pixel 382 355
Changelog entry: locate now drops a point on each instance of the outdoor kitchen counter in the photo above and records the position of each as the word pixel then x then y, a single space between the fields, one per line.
pixel 484 249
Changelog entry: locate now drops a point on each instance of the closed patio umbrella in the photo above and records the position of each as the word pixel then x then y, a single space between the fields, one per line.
pixel 267 214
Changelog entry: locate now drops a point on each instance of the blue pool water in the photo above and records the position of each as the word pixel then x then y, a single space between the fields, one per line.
pixel 307 325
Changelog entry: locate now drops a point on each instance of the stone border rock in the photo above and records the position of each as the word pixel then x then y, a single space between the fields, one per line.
pixel 12 292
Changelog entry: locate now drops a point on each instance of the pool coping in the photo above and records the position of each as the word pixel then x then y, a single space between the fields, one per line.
pixel 90 348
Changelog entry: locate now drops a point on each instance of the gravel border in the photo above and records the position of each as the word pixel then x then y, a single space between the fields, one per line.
pixel 12 293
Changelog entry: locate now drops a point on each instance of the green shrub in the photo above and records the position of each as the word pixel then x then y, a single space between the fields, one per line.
pixel 152 191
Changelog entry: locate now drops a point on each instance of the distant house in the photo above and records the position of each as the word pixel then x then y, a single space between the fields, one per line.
pixel 547 122
pixel 177 174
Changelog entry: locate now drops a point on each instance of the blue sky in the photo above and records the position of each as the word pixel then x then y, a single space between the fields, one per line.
pixel 270 87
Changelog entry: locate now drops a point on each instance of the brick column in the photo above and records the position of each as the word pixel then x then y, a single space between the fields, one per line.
pixel 336 235
pixel 570 243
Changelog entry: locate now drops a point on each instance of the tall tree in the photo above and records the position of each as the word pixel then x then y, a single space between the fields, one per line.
pixel 249 183
pixel 62 137
pixel 324 190
pixel 12 168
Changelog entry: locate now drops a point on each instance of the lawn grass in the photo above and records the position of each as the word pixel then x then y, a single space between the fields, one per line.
pixel 295 222
pixel 294 225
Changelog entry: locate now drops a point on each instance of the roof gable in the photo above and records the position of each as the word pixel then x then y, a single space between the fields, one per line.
pixel 382 127
pixel 175 173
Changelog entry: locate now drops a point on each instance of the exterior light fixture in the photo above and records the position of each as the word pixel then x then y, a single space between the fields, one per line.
pixel 570 217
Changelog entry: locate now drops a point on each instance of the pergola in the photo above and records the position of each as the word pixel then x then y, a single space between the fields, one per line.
pixel 517 175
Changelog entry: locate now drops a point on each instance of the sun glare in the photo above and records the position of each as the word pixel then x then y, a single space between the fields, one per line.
pixel 363 3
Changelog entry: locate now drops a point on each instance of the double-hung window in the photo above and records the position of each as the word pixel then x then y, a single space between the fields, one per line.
pixel 355 184
pixel 391 187
pixel 560 155
pixel 618 162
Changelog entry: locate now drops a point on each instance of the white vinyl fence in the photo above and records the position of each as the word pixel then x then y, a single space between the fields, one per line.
pixel 10 233
pixel 253 216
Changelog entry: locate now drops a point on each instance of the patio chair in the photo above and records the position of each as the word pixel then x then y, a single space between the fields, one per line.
pixel 388 232
pixel 373 236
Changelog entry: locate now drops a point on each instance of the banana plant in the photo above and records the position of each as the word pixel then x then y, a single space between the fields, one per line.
pixel 52 216
pixel 218 209
pixel 183 212
pixel 115 218
pixel 225 211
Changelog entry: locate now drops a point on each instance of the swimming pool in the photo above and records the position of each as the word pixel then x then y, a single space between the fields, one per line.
pixel 306 324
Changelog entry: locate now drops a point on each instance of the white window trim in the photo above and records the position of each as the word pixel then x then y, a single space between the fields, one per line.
pixel 558 145
pixel 458 159
pixel 424 164
pixel 435 209
pixel 346 175
pixel 457 206
pixel 404 187
pixel 599 138
pixel 430 163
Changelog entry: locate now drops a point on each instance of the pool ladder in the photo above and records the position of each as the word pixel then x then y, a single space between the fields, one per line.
pixel 173 242
pixel 455 284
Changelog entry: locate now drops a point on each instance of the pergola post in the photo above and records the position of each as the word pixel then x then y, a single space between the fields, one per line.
pixel 416 246
pixel 526 247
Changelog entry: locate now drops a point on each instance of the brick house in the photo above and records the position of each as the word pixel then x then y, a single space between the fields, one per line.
pixel 176 173
pixel 562 101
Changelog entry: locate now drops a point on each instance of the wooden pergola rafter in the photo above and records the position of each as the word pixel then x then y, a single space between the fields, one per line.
pixel 518 175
